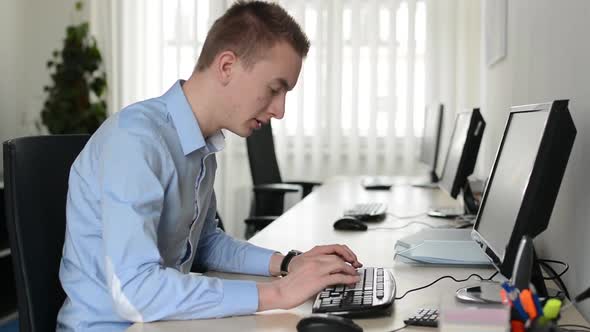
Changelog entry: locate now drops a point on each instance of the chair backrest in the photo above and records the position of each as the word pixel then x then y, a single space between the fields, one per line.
pixel 36 171
pixel 261 155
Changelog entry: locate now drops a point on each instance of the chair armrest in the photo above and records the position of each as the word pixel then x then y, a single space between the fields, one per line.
pixel 277 187
pixel 306 185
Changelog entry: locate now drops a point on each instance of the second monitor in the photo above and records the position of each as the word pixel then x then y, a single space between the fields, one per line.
pixel 460 162
pixel 430 144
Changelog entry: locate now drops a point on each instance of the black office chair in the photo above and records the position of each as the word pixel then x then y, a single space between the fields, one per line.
pixel 269 188
pixel 36 171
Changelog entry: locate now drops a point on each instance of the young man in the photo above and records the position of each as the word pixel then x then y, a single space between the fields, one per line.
pixel 141 206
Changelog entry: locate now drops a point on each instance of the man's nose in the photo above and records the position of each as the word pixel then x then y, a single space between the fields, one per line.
pixel 277 107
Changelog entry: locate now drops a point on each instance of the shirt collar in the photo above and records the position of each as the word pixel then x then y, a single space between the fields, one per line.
pixel 187 126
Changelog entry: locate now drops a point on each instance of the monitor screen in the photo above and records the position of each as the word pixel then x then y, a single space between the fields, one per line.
pixel 513 166
pixel 431 137
pixel 456 145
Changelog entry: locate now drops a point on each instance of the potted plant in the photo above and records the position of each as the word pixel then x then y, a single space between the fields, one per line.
pixel 75 101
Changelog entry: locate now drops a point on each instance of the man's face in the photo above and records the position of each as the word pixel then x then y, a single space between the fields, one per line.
pixel 258 93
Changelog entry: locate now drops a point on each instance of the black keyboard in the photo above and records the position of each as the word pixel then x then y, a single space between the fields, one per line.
pixel 424 317
pixel 367 211
pixel 372 296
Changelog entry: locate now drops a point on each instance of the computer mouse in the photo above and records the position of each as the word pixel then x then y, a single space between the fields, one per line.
pixel 327 323
pixel 349 223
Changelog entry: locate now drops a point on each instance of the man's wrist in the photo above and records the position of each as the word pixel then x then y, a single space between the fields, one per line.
pixel 287 260
pixel 268 296
pixel 274 267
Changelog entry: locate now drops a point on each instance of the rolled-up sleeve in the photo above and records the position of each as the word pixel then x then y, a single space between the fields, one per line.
pixel 132 185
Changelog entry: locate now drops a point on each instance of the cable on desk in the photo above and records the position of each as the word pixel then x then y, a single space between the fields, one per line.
pixel 445 277
pixel 399 328
pixel 400 227
pixel 555 276
pixel 406 217
pixel 569 327
pixel 493 275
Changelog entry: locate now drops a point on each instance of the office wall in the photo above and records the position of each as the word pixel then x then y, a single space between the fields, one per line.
pixel 29 31
pixel 10 49
pixel 549 58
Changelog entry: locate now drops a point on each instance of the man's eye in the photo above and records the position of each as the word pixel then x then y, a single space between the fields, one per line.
pixel 274 92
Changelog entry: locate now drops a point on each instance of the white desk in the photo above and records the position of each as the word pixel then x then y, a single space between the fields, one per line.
pixel 310 223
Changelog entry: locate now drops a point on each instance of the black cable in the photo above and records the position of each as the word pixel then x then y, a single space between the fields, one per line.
pixel 568 326
pixel 565 269
pixel 557 278
pixel 399 328
pixel 400 227
pixel 441 278
pixel 554 276
pixel 493 275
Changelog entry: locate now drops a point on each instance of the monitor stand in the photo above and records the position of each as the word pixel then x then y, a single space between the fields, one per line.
pixel 488 291
pixel 469 206
pixel 433 184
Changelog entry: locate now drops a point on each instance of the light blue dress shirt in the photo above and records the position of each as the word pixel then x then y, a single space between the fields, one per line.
pixel 140 209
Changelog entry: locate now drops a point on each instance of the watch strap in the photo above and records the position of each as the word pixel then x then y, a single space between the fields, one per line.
pixel 287 260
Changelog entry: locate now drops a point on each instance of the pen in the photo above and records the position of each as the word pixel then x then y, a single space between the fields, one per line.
pixel 552 308
pixel 512 294
pixel 521 312
pixel 517 326
pixel 526 299
pixel 504 297
pixel 538 305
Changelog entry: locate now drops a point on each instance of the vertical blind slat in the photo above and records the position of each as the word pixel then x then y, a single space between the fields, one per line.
pixel 334 72
pixel 354 155
pixel 178 36
pixel 318 140
pixel 373 34
pixel 390 148
pixel 409 141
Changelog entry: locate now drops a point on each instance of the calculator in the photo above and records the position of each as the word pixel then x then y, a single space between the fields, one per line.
pixel 424 317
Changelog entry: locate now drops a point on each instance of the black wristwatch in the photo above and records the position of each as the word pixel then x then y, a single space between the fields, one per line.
pixel 287 260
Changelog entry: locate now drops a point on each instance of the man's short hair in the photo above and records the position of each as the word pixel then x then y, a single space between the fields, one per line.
pixel 248 28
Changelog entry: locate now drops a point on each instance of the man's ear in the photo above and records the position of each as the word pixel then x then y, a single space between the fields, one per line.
pixel 225 64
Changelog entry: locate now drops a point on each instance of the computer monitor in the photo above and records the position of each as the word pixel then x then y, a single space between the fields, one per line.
pixel 524 182
pixel 460 161
pixel 430 144
pixel 462 152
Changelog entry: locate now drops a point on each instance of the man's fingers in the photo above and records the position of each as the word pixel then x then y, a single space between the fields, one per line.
pixel 341 279
pixel 354 260
pixel 336 265
pixel 340 250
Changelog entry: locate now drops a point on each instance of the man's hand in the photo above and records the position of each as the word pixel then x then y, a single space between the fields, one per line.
pixel 309 273
pixel 339 250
